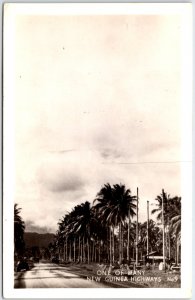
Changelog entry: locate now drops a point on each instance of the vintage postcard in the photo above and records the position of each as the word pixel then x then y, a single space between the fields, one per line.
pixel 97 104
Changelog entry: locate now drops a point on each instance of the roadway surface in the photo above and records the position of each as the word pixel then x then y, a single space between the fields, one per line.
pixel 50 275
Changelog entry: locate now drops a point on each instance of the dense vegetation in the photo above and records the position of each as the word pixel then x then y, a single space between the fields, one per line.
pixel 19 228
pixel 105 231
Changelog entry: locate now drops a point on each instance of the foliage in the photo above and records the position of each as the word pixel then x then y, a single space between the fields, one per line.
pixel 19 227
pixel 105 231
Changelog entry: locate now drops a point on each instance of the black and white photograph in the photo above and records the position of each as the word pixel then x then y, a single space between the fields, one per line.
pixel 97 149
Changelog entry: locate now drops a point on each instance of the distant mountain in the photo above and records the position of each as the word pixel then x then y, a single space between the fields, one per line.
pixel 34 239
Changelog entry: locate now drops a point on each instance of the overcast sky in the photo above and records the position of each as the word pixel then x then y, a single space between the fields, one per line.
pixel 97 101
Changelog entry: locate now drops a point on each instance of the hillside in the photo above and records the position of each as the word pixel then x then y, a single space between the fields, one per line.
pixel 34 239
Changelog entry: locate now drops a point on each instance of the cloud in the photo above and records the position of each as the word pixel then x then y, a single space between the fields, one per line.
pixel 58 177
pixel 110 153
pixel 61 151
pixel 30 226
pixel 125 108
pixel 67 182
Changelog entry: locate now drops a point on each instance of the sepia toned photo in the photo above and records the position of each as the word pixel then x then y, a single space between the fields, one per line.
pixel 97 149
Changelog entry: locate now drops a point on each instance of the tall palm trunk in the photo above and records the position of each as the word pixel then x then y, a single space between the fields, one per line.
pixel 83 249
pixel 70 252
pixel 107 244
pixel 120 245
pixel 169 242
pixel 66 248
pixel 79 249
pixel 177 250
pixel 88 251
pixel 59 252
pixel 168 236
pixel 166 242
pixel 74 250
pixel 128 235
pixel 92 252
pixel 95 258
pixel 110 246
pixel 122 241
pixel 113 245
pixel 99 252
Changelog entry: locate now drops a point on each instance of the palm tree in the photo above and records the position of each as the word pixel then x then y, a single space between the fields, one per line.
pixel 115 205
pixel 84 224
pixel 103 210
pixel 175 224
pixel 163 199
pixel 123 209
pixel 166 197
pixel 60 236
pixel 172 214
pixel 63 236
pixel 81 232
pixel 19 227
pixel 126 203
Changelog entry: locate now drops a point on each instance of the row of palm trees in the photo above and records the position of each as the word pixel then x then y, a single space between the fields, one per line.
pixel 105 231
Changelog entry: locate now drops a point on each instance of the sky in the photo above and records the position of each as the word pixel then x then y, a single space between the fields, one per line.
pixel 97 100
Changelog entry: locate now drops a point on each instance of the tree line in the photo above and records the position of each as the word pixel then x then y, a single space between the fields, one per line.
pixel 105 231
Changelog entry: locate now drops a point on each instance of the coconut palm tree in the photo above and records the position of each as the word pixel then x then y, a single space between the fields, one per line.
pixel 166 200
pixel 60 237
pixel 124 206
pixel 84 224
pixel 63 235
pixel 175 224
pixel 160 198
pixel 115 205
pixel 172 214
pixel 102 208
pixel 19 227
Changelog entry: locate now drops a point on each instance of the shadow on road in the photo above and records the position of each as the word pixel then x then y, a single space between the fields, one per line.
pixel 46 277
pixel 20 281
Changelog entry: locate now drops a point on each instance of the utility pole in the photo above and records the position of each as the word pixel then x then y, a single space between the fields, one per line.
pixel 147 228
pixel 137 230
pixel 163 225
pixel 169 242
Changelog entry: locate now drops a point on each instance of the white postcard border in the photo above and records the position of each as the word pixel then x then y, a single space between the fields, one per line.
pixel 10 12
